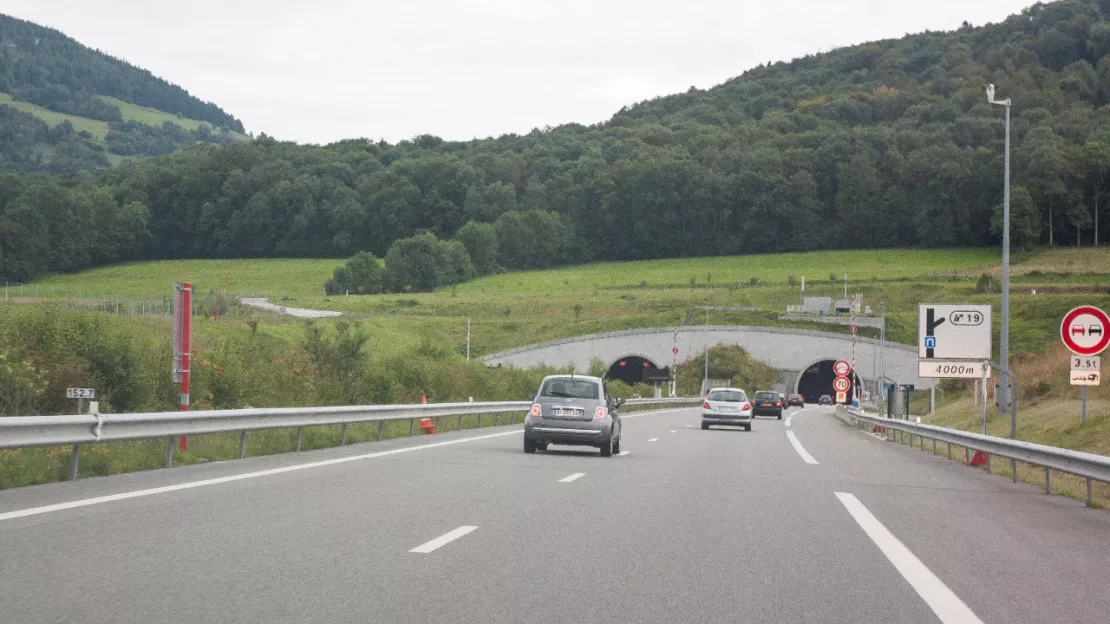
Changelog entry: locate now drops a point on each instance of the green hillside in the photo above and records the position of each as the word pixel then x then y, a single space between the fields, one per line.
pixel 883 145
pixel 79 110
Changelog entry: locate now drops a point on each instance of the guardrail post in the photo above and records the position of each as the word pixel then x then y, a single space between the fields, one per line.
pixel 1013 469
pixel 1047 481
pixel 934 446
pixel 949 451
pixel 242 444
pixel 1090 499
pixel 460 422
pixel 73 462
pixel 989 464
pixel 343 435
pixel 967 456
pixel 479 421
pixel 412 421
pixel 298 448
pixel 381 426
pixel 169 451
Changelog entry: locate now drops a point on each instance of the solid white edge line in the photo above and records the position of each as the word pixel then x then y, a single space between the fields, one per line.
pixel 942 600
pixel 85 502
pixel 653 439
pixel 573 477
pixel 443 540
pixel 806 457
pixel 788 421
pixel 622 453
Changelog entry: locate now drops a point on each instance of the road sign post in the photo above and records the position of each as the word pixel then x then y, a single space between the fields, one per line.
pixel 182 345
pixel 1086 332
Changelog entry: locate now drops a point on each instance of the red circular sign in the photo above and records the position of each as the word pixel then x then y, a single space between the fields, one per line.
pixel 853 329
pixel 841 384
pixel 674 350
pixel 1085 330
pixel 842 368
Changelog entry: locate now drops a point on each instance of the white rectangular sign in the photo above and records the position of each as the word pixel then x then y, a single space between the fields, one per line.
pixel 950 369
pixel 80 393
pixel 954 332
pixel 1085 370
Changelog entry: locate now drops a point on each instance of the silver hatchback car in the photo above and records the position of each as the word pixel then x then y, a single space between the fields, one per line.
pixel 727 406
pixel 573 409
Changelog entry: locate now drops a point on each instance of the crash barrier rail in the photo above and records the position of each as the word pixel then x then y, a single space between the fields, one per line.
pixel 96 428
pixel 1088 466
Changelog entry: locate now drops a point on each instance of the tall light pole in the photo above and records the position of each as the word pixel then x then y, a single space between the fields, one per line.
pixel 1004 338
pixel 707 346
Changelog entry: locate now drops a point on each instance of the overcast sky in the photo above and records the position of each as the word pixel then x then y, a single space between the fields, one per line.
pixel 323 70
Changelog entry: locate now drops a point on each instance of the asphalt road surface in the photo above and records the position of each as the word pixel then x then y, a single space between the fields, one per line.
pixel 801 520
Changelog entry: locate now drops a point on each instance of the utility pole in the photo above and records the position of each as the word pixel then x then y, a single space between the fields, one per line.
pixel 467 340
pixel 1004 397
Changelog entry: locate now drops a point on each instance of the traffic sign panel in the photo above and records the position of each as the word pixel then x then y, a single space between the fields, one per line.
pixel 80 393
pixel 954 332
pixel 854 329
pixel 841 384
pixel 841 397
pixel 842 368
pixel 674 350
pixel 1085 330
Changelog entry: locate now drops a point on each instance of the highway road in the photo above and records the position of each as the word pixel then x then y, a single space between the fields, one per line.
pixel 800 520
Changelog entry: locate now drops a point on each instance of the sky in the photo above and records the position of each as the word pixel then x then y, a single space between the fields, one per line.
pixel 325 70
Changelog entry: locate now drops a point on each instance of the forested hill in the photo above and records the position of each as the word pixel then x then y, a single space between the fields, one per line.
pixel 886 144
pixel 63 105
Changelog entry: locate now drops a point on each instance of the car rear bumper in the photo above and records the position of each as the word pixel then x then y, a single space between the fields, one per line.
pixel 715 418
pixel 556 434
pixel 767 411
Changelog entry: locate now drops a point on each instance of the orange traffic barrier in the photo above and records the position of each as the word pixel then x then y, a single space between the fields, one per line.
pixel 427 425
pixel 423 398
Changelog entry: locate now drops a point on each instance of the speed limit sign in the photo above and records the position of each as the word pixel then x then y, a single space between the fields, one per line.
pixel 841 384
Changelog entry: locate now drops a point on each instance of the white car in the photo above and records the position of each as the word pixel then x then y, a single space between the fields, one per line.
pixel 727 406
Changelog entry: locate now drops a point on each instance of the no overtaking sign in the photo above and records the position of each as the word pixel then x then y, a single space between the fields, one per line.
pixel 1085 330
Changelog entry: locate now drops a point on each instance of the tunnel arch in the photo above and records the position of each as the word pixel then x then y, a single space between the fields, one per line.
pixel 630 368
pixel 817 379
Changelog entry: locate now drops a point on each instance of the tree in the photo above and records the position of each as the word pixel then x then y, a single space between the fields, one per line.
pixel 414 264
pixel 361 275
pixel 1025 219
pixel 480 240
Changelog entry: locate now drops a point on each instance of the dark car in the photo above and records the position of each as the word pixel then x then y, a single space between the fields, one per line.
pixel 796 399
pixel 767 403
pixel 825 400
pixel 573 409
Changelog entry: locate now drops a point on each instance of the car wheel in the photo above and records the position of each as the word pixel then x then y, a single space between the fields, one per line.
pixel 541 446
pixel 747 427
pixel 529 445
pixel 617 446
pixel 607 449
pixel 704 425
pixel 780 415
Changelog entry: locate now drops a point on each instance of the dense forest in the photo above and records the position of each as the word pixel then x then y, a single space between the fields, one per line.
pixel 44 67
pixel 886 144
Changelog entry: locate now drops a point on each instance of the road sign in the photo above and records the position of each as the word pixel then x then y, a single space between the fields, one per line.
pixel 841 397
pixel 1085 330
pixel 841 384
pixel 674 350
pixel 842 368
pixel 1086 371
pixel 866 395
pixel 80 393
pixel 950 369
pixel 854 329
pixel 954 332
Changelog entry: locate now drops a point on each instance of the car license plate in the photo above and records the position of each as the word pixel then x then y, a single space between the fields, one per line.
pixel 766 405
pixel 564 411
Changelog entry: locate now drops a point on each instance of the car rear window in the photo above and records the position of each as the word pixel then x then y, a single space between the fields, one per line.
pixel 766 396
pixel 569 388
pixel 728 396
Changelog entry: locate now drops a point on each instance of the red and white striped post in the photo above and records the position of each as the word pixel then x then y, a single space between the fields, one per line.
pixel 182 338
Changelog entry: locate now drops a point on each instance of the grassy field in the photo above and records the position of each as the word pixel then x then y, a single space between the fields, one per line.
pixel 155 117
pixel 521 308
pixel 99 129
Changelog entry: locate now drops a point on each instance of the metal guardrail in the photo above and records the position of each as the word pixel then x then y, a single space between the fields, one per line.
pixel 1089 466
pixel 96 428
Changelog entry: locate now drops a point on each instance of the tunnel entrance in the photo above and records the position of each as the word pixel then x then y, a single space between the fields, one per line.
pixel 818 379
pixel 635 369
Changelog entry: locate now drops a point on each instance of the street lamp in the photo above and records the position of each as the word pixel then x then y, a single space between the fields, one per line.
pixel 1004 338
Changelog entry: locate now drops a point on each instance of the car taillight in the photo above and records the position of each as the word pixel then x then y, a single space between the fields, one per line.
pixel 706 405
pixel 747 406
pixel 535 410
pixel 778 403
pixel 600 413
